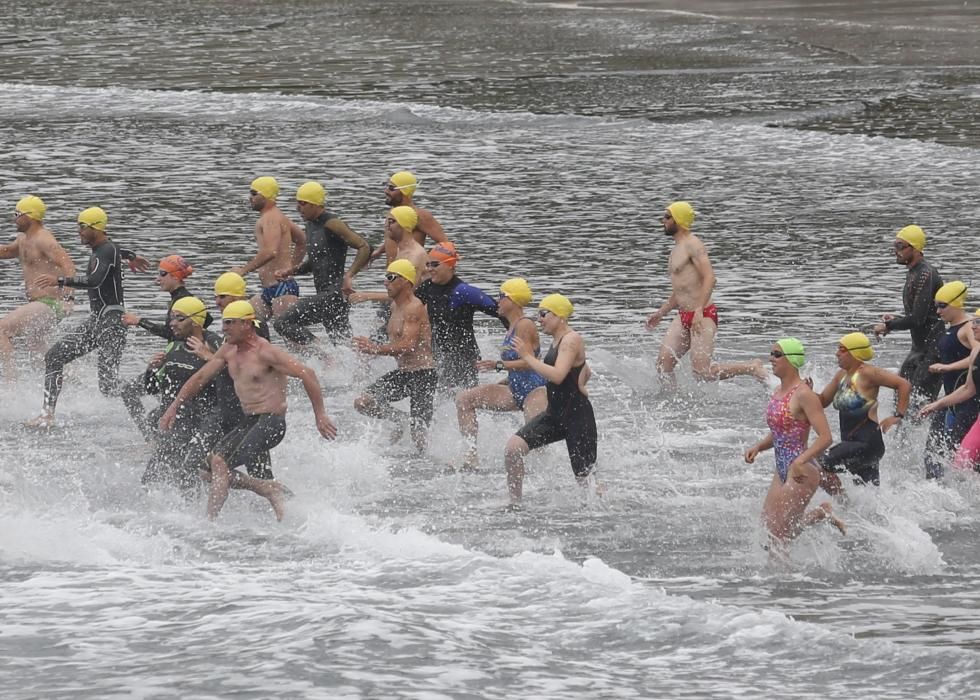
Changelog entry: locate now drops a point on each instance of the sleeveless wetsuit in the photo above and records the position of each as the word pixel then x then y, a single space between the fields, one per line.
pixel 521 381
pixel 788 434
pixel 949 427
pixel 861 447
pixel 569 417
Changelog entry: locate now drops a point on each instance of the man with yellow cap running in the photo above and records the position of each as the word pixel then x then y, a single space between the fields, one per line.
pixel 692 281
pixel 39 254
pixel 410 343
pixel 328 239
pixel 922 281
pixel 103 329
pixel 260 371
pixel 275 235
pixel 399 192
pixel 180 453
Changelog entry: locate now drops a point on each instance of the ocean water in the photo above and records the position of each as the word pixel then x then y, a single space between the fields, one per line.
pixel 547 138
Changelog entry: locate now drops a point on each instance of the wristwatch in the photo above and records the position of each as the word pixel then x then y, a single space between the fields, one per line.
pixel 499 366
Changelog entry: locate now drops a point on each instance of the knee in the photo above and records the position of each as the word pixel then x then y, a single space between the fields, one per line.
pixel 464 402
pixel 516 447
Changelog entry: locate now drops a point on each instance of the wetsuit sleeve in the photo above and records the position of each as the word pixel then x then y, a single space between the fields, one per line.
pixel 354 241
pixel 161 330
pixel 922 306
pixel 305 267
pixel 127 254
pixel 422 291
pixel 104 260
pixel 471 296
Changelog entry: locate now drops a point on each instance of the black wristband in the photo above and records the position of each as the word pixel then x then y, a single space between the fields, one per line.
pixel 499 366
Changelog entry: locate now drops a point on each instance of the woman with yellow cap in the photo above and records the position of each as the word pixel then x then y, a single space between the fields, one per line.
pixel 523 387
pixel 956 349
pixel 854 393
pixel 569 415
pixel 792 411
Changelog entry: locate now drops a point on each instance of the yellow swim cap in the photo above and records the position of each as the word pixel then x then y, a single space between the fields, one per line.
pixel 517 290
pixel 266 186
pixel 94 217
pixel 192 307
pixel 32 206
pixel 406 217
pixel 952 293
pixel 239 309
pixel 311 192
pixel 404 182
pixel 558 305
pixel 683 214
pixel 858 345
pixel 403 268
pixel 914 236
pixel 231 284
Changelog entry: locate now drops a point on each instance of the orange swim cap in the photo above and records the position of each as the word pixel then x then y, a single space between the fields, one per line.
pixel 176 266
pixel 445 253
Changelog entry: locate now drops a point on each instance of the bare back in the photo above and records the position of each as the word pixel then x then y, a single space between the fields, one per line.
pixel 272 233
pixel 258 384
pixel 410 317
pixel 687 263
pixel 415 254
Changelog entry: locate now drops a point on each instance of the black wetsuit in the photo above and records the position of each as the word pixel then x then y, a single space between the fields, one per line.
pixel 451 307
pixel 948 428
pixel 921 284
pixel 163 330
pixel 861 447
pixel 326 254
pixel 569 417
pixel 181 451
pixel 103 329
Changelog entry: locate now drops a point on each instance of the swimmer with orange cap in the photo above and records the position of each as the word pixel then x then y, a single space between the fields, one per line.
pixel 260 371
pixel 399 191
pixel 282 245
pixel 854 393
pixel 173 271
pixel 39 254
pixel 692 281
pixel 410 343
pixel 922 281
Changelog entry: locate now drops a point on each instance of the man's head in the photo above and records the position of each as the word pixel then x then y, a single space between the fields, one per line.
pixel 186 314
pixel 229 287
pixel 909 244
pixel 30 209
pixel 238 322
pixel 262 191
pixel 173 271
pixel 442 262
pixel 400 188
pixel 399 275
pixel 678 216
pixel 92 223
pixel 310 199
pixel 401 222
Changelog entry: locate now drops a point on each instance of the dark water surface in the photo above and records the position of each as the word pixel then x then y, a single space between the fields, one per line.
pixel 547 138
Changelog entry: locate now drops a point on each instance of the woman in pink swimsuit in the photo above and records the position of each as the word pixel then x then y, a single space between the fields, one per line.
pixel 792 411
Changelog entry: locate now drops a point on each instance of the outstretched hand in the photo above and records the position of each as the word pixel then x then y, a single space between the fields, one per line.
pixel 326 427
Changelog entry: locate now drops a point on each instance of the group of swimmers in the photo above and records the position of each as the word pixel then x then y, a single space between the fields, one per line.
pixel 223 397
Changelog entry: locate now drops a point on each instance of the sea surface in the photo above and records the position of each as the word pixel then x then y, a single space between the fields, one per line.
pixel 547 138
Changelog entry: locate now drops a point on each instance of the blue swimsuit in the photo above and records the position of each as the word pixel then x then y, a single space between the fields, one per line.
pixel 521 381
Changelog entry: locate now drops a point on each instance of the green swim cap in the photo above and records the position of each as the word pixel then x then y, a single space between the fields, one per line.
pixel 793 349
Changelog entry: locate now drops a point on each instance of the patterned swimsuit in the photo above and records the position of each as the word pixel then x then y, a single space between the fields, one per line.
pixel 788 434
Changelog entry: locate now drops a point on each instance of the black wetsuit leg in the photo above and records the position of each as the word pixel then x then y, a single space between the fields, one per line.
pixel 105 332
pixel 132 394
pixel 860 454
pixel 946 431
pixel 925 384
pixel 330 309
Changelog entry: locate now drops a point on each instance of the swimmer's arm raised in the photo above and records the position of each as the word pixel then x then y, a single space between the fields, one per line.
pixel 355 241
pixel 430 227
pixel 282 361
pixel 103 264
pixel 11 250
pixel 571 347
pixel 192 386
pixel 827 395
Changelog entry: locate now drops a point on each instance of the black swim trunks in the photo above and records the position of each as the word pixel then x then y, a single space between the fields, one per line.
pixel 418 385
pixel 248 444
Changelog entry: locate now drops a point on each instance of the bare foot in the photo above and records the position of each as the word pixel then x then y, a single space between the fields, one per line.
pixel 44 420
pixel 834 520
